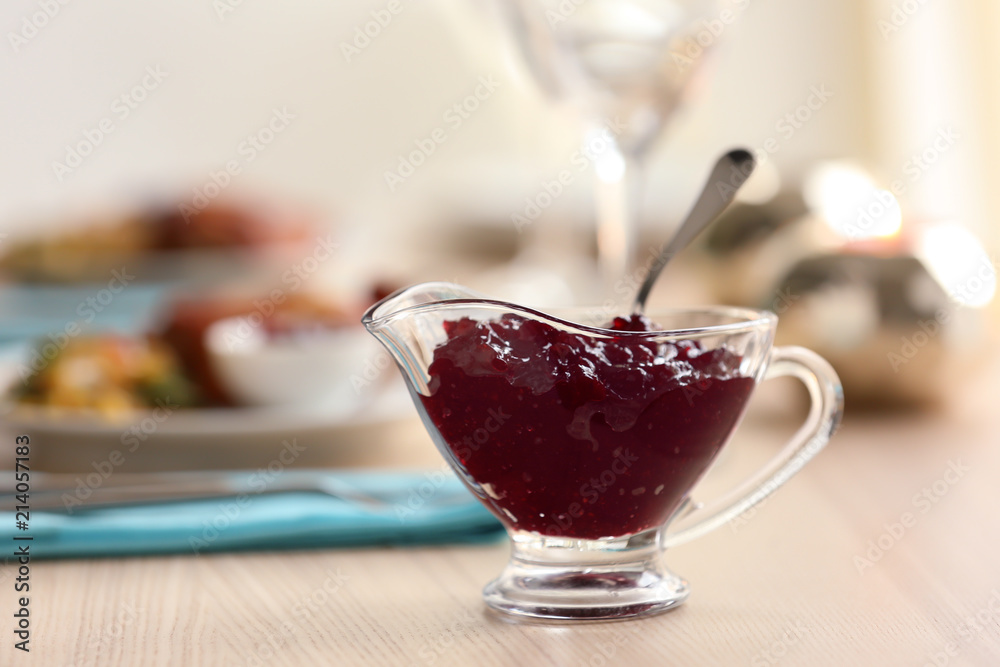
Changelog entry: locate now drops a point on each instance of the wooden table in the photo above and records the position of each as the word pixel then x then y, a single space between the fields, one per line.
pixel 824 573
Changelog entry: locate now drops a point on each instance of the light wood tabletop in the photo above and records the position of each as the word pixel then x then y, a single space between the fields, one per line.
pixel 883 551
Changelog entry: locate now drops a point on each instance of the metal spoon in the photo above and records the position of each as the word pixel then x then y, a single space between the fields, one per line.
pixel 730 173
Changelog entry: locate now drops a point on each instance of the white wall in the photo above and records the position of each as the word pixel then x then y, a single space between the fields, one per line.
pixel 225 75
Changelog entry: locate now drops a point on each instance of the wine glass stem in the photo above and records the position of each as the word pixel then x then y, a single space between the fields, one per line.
pixel 617 196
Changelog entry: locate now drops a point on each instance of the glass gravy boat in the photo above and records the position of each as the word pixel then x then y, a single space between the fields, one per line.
pixel 585 441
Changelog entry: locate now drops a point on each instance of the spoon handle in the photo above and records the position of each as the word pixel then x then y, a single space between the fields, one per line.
pixel 729 174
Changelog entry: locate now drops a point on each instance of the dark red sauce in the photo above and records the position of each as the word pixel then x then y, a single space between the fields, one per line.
pixel 577 436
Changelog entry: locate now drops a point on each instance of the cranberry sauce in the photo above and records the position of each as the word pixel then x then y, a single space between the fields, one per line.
pixel 576 436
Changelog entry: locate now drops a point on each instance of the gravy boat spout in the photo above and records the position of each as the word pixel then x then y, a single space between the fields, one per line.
pixel 409 323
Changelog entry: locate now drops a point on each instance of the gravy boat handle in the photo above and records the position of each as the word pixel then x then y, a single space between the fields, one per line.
pixel 825 413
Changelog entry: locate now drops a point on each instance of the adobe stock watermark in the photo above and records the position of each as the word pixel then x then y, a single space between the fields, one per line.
pixel 371 30
pixel 294 277
pixel 786 127
pixel 87 311
pixel 421 494
pixel 919 163
pixel 774 652
pixel 454 118
pixel 562 12
pixel 270 644
pixel 606 651
pixel 708 32
pixel 374 366
pixel 910 346
pixel 35 22
pixel 879 207
pixel 922 502
pixel 472 443
pixel 274 642
pixel 783 300
pixel 139 432
pixel 131 439
pixel 434 480
pixel 760 497
pixel 969 630
pixel 597 144
pixel 320 597
pixel 121 108
pixel 742 520
pixel 900 15
pixel 960 295
pixel 439 647
pixel 223 8
pixel 114 631
pixel 247 151
pixel 258 483
pixel 626 287
pixel 969 291
pixel 590 492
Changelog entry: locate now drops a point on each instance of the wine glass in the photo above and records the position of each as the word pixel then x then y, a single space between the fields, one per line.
pixel 626 64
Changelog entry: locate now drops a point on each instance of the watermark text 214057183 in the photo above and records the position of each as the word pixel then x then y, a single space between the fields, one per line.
pixel 22 541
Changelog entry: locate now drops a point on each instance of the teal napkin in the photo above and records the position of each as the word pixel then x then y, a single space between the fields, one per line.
pixel 413 508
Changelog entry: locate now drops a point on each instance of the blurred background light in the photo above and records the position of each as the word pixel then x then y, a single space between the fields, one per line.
pixel 851 203
pixel 958 260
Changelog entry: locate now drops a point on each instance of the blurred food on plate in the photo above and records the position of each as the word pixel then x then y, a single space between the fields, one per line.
pixel 153 241
pixel 109 374
pixel 282 348
pixel 278 313
pixel 293 361
pixel 225 225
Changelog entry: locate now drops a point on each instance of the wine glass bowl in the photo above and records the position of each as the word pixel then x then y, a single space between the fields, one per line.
pixel 625 64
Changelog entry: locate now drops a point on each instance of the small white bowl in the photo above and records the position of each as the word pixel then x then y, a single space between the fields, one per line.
pixel 258 369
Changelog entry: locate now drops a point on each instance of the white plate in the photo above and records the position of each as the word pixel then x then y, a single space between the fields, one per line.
pixel 194 438
pixel 392 403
